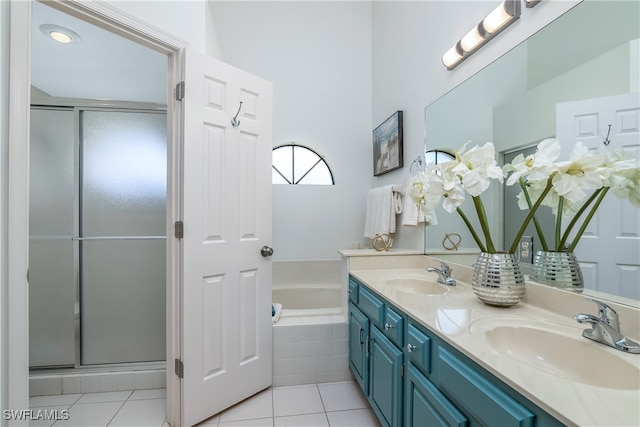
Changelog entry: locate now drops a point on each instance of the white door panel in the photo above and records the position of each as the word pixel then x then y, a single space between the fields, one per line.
pixel 226 310
pixel 609 251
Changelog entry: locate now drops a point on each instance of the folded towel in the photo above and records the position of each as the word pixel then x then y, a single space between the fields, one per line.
pixel 410 212
pixel 276 311
pixel 383 204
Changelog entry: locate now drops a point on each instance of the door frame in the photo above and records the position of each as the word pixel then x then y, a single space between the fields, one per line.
pixel 116 21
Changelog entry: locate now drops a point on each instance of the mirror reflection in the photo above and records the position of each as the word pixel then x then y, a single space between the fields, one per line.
pixel 574 80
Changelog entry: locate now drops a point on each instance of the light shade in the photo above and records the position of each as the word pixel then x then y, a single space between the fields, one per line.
pixel 452 56
pixel 496 19
pixel 472 39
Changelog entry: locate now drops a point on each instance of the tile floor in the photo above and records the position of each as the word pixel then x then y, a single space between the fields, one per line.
pixel 326 404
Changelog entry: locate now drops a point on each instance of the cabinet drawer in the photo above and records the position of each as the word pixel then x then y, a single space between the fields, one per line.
pixel 353 291
pixel 425 405
pixel 393 326
pixel 371 305
pixel 480 397
pixel 419 348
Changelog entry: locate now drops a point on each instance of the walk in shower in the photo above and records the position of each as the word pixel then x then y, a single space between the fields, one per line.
pixel 97 236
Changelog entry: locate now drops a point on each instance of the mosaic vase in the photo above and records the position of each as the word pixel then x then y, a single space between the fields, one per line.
pixel 497 279
pixel 558 269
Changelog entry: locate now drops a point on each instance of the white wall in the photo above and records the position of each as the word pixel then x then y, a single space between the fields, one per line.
pixel 318 55
pixel 186 20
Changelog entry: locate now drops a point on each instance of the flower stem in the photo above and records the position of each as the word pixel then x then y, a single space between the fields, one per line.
pixel 559 223
pixel 532 212
pixel 576 239
pixel 577 216
pixel 484 224
pixel 473 232
pixel 543 241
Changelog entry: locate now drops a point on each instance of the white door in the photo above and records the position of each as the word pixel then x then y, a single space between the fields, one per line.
pixel 609 251
pixel 226 301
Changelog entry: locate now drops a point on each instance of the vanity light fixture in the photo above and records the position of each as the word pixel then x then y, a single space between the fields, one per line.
pixel 59 34
pixel 499 19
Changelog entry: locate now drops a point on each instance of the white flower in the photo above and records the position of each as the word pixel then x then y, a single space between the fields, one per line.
pixel 477 167
pixel 624 180
pixel 421 190
pixel 536 167
pixel 583 171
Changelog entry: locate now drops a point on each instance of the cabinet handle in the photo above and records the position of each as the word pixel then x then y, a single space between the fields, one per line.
pixel 410 347
pixel 367 347
pixel 350 290
pixel 387 326
pixel 360 335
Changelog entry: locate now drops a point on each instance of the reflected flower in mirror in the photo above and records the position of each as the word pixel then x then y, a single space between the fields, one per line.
pixel 566 186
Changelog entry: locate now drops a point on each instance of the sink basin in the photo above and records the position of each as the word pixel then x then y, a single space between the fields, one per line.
pixel 559 350
pixel 416 286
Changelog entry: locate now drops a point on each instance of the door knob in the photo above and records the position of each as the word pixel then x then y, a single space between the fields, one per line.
pixel 266 251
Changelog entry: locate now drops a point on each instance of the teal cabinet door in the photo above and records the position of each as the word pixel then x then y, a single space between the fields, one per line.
pixel 425 405
pixel 385 379
pixel 478 396
pixel 358 337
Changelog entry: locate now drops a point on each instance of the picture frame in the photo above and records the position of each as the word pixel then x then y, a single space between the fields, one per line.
pixel 387 145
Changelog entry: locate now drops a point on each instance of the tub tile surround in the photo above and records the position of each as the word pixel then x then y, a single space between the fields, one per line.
pixel 452 317
pixel 305 272
pixel 310 353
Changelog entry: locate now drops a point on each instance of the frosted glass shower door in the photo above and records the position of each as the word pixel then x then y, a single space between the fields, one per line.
pixel 122 241
pixel 52 275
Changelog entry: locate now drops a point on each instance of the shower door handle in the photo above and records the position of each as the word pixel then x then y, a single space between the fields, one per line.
pixel 266 251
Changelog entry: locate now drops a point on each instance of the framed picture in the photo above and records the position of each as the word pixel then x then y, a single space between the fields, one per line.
pixel 387 145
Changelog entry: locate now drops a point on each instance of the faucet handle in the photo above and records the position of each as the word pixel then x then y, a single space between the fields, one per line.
pixel 445 268
pixel 607 314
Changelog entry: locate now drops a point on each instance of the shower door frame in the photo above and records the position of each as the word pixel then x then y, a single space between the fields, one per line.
pixel 77 106
pixel 114 20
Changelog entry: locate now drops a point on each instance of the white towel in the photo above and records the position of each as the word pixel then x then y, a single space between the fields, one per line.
pixel 410 213
pixel 383 204
pixel 277 311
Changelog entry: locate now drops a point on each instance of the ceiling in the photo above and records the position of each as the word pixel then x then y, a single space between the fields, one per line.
pixel 101 66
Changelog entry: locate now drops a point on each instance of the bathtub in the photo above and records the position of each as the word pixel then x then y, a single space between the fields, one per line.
pixel 308 300
pixel 310 341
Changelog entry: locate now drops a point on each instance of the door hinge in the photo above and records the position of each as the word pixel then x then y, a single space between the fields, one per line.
pixel 179 229
pixel 179 368
pixel 180 91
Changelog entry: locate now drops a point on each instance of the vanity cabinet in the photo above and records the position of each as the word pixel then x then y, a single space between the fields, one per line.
pixel 412 377
pixel 374 359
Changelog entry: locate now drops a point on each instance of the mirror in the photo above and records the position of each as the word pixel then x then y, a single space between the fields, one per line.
pixel 590 52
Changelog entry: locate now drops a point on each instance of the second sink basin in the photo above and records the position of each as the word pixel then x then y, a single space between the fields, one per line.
pixel 560 350
pixel 416 286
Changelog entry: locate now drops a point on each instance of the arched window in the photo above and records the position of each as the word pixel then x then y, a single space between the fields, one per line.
pixel 438 156
pixel 295 164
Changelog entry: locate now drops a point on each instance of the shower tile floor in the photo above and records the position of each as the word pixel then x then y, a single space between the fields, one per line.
pixel 326 404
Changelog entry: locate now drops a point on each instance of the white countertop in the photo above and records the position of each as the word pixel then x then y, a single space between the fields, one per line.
pixel 459 318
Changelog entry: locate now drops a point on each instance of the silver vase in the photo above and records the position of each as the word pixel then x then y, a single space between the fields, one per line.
pixel 497 279
pixel 558 269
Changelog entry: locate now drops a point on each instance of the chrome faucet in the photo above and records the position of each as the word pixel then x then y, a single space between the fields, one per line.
pixel 444 274
pixel 606 328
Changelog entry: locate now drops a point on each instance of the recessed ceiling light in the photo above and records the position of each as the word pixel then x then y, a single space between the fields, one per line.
pixel 59 34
